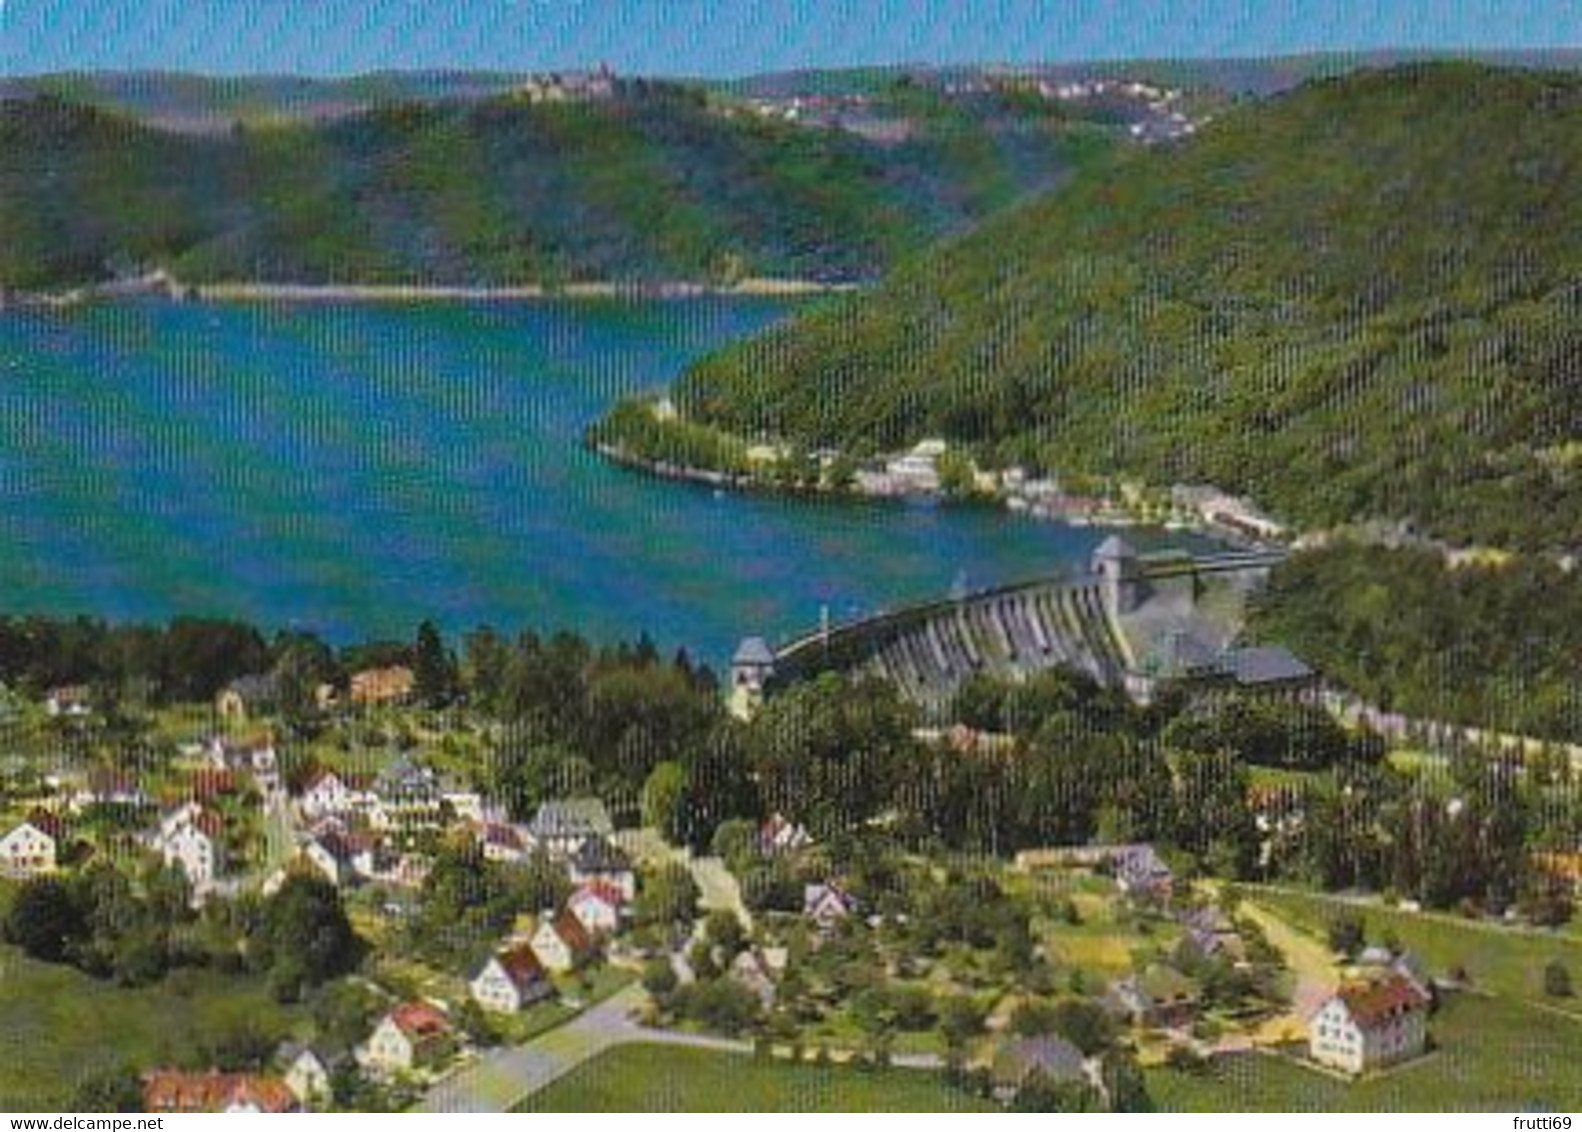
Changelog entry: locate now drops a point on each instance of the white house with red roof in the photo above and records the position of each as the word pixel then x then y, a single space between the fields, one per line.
pixel 1368 1025
pixel 511 980
pixel 325 794
pixel 561 942
pixel 30 848
pixel 412 1036
pixel 598 906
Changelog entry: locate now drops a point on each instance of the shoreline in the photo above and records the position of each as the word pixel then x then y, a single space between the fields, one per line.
pixel 160 285
pixel 749 484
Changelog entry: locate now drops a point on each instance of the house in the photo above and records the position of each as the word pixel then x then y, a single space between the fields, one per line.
pixel 1049 1058
pixel 325 793
pixel 107 787
pixel 31 848
pixel 502 842
pixel 248 696
pixel 256 755
pixel 172 1090
pixel 562 825
pixel 511 980
pixel 1160 996
pixel 414 1035
pixel 1213 934
pixel 194 844
pixel 827 904
pixel 307 1073
pixel 69 701
pixel 561 942
pixel 598 859
pixel 373 686
pixel 332 854
pixel 780 835
pixel 752 667
pixel 750 969
pixel 1141 873
pixel 598 905
pixel 1366 1025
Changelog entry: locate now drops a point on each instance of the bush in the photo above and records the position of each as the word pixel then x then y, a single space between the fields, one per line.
pixel 1346 936
pixel 1557 980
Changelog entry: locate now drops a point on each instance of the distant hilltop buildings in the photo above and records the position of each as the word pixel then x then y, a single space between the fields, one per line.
pixel 598 85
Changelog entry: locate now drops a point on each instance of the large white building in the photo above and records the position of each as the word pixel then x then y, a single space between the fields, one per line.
pixel 1369 1025
pixel 28 850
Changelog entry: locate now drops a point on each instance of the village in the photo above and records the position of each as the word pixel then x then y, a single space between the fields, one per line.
pixel 1057 979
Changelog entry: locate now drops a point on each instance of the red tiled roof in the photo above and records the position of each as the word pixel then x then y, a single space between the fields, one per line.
pixel 46 822
pixel 1373 1003
pixel 171 1090
pixel 605 890
pixel 521 966
pixel 419 1020
pixel 571 931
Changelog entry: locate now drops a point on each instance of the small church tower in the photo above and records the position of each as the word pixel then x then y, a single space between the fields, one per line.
pixel 751 669
pixel 1120 574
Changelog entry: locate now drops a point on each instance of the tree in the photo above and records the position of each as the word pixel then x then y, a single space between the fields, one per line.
pixel 1085 1024
pixel 1557 980
pixel 119 1089
pixel 304 938
pixel 1125 1083
pixel 44 920
pixel 960 1020
pixel 1345 934
pixel 662 797
pixel 659 978
pixel 725 931
pixel 433 669
pixel 668 897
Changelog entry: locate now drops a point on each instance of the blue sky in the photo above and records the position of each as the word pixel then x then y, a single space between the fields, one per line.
pixel 731 37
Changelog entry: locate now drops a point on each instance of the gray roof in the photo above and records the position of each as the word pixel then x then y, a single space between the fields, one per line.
pixel 1264 664
pixel 571 817
pixel 753 650
pixel 1115 547
pixel 258 687
pixel 598 854
pixel 1051 1056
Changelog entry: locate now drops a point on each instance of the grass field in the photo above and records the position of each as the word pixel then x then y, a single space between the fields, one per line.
pixel 1493 1055
pixel 1497 959
pixel 58 1025
pixel 652 1078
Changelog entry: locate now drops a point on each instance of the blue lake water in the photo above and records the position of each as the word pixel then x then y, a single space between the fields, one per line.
pixel 352 469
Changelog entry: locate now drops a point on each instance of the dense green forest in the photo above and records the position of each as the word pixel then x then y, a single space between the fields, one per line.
pixel 1358 299
pixel 1485 646
pixel 657 183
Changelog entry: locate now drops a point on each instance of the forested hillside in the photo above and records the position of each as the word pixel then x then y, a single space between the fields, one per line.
pixel 1363 298
pixel 1484 646
pixel 655 183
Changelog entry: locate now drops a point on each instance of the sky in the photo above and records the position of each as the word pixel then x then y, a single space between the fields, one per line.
pixel 722 38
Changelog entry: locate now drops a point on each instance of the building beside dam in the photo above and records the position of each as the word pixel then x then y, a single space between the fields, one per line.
pixel 1144 622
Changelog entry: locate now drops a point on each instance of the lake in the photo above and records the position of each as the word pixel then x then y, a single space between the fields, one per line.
pixel 352 469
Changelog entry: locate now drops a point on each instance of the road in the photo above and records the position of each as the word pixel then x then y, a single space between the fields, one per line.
pixel 502 1078
pixel 1310 961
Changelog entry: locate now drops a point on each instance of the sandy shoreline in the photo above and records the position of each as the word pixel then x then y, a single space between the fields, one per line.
pixel 243 292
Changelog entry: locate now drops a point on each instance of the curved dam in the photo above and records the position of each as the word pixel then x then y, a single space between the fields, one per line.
pixel 1130 620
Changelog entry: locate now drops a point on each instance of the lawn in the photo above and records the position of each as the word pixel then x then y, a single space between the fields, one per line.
pixel 1493 1055
pixel 654 1078
pixel 1501 960
pixel 57 1024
